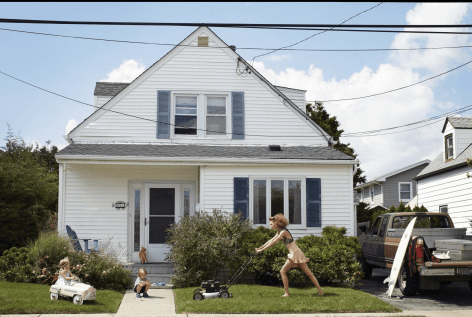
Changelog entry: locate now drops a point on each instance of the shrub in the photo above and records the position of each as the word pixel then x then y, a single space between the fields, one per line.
pixel 203 244
pixel 332 257
pixel 39 263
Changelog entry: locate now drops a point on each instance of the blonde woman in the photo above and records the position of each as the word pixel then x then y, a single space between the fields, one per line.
pixel 295 257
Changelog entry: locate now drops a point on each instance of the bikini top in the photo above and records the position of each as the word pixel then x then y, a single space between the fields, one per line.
pixel 286 240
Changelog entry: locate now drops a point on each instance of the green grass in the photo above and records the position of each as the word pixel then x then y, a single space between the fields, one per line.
pixel 256 299
pixel 28 298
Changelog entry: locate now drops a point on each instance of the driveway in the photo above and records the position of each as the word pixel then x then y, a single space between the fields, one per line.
pixel 455 296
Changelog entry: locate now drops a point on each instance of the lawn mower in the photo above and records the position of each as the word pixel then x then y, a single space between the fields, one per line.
pixel 212 288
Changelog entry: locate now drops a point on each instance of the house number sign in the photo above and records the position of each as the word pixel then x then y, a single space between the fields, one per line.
pixel 120 205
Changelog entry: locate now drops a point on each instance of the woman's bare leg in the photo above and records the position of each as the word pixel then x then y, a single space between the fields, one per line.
pixel 283 272
pixel 313 279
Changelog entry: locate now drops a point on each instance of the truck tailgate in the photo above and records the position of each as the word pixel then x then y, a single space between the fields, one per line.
pixel 449 264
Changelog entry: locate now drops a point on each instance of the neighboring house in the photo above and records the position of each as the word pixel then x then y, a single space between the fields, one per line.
pixel 215 135
pixel 391 189
pixel 443 186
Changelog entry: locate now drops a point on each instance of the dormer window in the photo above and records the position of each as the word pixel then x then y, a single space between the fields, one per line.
pixel 449 150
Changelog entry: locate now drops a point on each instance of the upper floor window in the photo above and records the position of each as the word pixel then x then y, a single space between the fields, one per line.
pixel 201 115
pixel 186 115
pixel 405 191
pixel 449 147
pixel 372 193
pixel 443 209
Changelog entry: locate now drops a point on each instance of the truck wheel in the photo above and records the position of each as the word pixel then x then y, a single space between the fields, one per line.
pixel 407 283
pixel 366 268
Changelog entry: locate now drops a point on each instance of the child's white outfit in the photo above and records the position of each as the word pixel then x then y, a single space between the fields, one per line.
pixel 136 284
pixel 61 281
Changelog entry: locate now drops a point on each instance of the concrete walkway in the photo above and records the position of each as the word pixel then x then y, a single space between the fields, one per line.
pixel 161 303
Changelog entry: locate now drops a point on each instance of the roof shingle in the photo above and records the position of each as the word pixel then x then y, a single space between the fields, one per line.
pixel 108 89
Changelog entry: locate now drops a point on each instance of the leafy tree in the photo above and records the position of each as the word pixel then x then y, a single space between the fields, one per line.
pixel 331 126
pixel 28 190
pixel 363 213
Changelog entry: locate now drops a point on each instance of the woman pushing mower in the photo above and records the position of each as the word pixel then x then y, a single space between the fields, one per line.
pixel 295 257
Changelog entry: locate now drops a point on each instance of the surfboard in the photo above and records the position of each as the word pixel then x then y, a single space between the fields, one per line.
pixel 399 256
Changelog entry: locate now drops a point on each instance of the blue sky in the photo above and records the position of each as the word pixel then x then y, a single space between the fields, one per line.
pixel 71 67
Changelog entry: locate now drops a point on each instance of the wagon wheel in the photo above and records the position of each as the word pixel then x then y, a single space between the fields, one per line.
pixel 54 296
pixel 78 300
pixel 198 296
pixel 224 294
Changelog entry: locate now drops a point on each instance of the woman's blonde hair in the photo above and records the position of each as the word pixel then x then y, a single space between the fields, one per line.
pixel 142 270
pixel 279 221
pixel 64 261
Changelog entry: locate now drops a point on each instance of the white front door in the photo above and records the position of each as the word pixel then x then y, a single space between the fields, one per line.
pixel 162 208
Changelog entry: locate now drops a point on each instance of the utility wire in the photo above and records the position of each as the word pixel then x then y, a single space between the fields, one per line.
pixel 234 25
pixel 355 134
pixel 241 48
pixel 254 58
pixel 385 92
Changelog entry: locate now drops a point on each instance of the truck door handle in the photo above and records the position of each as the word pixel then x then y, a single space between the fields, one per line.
pixel 145 221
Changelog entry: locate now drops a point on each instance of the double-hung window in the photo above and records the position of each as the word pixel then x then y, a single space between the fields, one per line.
pixel 186 115
pixel 271 196
pixel 201 115
pixel 449 149
pixel 405 191
pixel 216 115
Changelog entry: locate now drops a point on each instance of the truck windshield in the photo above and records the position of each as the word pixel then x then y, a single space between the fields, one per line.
pixel 437 221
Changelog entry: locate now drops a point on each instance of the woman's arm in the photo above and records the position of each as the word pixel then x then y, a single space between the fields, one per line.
pixel 273 241
pixel 267 242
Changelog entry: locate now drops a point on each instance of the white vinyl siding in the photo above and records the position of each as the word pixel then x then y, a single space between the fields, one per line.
pixel 100 101
pixel 462 139
pixel 452 189
pixel 91 190
pixel 296 95
pixel 196 69
pixel 336 191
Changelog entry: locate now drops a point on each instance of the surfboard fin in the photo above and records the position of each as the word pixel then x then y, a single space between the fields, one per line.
pixel 386 280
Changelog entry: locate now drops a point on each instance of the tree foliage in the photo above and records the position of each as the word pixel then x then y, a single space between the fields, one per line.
pixel 28 190
pixel 331 126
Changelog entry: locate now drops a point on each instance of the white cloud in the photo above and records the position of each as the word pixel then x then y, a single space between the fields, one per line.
pixel 380 154
pixel 434 61
pixel 71 125
pixel 278 58
pixel 126 72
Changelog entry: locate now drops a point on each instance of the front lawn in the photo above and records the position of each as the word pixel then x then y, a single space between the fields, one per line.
pixel 29 298
pixel 256 299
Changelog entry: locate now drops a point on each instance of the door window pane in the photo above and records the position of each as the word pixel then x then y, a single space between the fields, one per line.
pixel 277 197
pixel 186 202
pixel 260 194
pixel 137 219
pixel 295 202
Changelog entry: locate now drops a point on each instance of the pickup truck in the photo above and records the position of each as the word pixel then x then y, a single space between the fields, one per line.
pixel 420 270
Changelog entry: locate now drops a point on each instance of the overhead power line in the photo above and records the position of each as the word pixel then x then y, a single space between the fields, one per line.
pixel 239 48
pixel 239 25
pixel 392 90
pixel 315 34
pixel 355 134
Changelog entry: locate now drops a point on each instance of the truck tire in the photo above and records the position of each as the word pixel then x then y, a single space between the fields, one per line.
pixel 366 268
pixel 407 283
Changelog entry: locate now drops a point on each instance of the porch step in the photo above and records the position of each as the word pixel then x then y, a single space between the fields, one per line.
pixel 157 272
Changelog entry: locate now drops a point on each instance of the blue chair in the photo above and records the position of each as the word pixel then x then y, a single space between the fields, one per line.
pixel 76 244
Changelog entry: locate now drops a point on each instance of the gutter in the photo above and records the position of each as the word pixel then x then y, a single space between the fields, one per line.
pixel 193 160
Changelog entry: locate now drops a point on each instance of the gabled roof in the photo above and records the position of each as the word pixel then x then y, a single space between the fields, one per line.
pixel 383 178
pixel 458 123
pixel 112 151
pixel 438 165
pixel 174 51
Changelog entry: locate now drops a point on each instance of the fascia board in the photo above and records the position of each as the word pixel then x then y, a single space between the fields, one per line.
pixel 110 103
pixel 197 161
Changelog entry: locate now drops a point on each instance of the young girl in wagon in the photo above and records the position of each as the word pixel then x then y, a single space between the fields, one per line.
pixel 295 257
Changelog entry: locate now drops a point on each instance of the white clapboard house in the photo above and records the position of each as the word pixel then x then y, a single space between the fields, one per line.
pixel 205 130
pixel 443 186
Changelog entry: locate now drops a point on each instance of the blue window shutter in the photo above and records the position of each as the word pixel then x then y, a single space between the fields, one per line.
pixel 237 103
pixel 313 202
pixel 241 196
pixel 163 114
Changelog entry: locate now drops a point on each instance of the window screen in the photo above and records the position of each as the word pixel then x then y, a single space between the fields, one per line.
pixel 186 115
pixel 216 116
